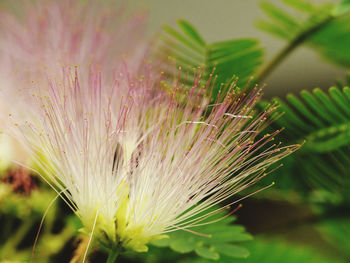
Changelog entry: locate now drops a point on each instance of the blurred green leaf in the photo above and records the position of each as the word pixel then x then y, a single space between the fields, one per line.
pixel 208 253
pixel 324 27
pixel 337 232
pixel 232 251
pixel 265 250
pixel 186 49
pixel 323 120
pixel 342 8
pixel 212 241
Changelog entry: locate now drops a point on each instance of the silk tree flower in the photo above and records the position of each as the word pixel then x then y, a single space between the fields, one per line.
pixel 45 35
pixel 49 33
pixel 73 128
pixel 138 164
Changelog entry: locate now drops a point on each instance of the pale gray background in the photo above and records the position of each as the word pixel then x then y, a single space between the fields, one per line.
pixel 227 19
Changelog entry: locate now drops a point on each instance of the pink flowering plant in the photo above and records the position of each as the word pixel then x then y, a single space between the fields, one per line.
pixel 146 155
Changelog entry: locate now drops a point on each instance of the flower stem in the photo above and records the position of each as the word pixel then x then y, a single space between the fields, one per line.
pixel 293 44
pixel 112 256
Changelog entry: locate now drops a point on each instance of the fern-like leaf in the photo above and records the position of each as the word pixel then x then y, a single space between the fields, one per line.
pixel 215 240
pixel 324 27
pixel 185 48
pixel 264 250
pixel 323 120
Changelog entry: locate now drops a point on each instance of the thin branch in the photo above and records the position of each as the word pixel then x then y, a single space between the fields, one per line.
pixel 292 45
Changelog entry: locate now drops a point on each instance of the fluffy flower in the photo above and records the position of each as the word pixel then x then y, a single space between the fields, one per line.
pixel 48 33
pixel 139 159
pixel 45 35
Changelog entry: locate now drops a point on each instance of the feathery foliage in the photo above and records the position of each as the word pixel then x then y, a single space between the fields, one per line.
pixel 324 27
pixel 186 49
pixel 265 250
pixel 219 239
pixel 323 120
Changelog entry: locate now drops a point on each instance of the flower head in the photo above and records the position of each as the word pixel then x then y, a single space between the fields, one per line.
pixel 52 34
pixel 137 160
pixel 44 36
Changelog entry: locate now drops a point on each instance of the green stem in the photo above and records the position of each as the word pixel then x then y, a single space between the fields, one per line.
pixel 298 40
pixel 112 256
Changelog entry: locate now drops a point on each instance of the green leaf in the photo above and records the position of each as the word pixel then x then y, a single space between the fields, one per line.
pixel 190 31
pixel 267 250
pixel 232 251
pixel 211 240
pixel 323 27
pixel 323 120
pixel 342 8
pixel 278 14
pixel 208 253
pixel 183 39
pixel 185 48
pixel 163 242
pixel 337 232
pixel 183 247
pixel 301 5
